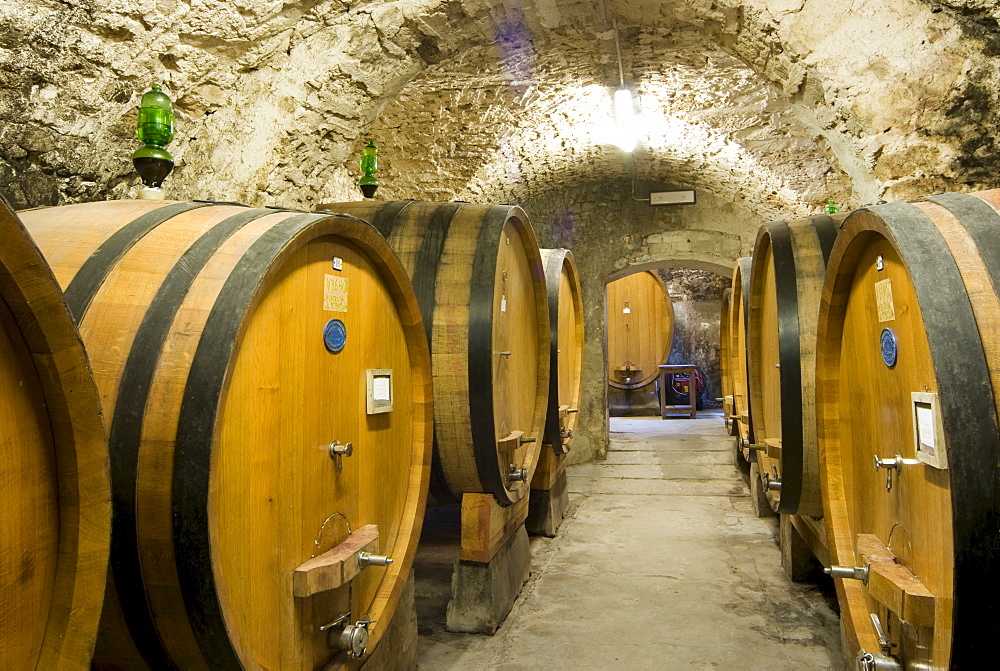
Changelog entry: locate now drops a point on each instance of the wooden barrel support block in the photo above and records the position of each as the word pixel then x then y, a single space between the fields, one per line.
pixel 233 348
pixel 480 283
pixel 640 329
pixel 786 280
pixel 909 368
pixel 55 522
pixel 740 309
pixel 565 302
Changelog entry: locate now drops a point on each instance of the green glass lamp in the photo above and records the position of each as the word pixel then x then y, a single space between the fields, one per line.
pixel 369 166
pixel 831 207
pixel 155 129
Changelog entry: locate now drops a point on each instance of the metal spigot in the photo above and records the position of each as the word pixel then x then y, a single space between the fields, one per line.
pixel 526 439
pixel 867 661
pixel 518 474
pixel 848 572
pixel 772 485
pixel 338 452
pixel 366 559
pixel 566 433
pixel 354 639
pixel 892 464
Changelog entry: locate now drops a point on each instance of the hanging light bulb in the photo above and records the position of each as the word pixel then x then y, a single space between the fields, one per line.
pixel 624 120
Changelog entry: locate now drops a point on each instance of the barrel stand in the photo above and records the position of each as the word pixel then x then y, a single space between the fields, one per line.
pixel 803 546
pixel 493 564
pixel 549 494
pixel 397 651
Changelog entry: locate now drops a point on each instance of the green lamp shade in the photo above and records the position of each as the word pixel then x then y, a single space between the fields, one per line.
pixel 156 118
pixel 369 166
pixel 831 207
pixel 155 128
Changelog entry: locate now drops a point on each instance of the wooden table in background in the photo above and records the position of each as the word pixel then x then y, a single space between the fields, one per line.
pixel 692 408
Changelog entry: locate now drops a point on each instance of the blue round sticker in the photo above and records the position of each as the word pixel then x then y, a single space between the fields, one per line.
pixel 335 335
pixel 889 347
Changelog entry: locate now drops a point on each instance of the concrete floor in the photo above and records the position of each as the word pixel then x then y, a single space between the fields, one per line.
pixel 660 564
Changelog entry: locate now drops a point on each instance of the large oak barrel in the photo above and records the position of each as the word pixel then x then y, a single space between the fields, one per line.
pixel 640 329
pixel 55 516
pixel 908 374
pixel 565 301
pixel 725 362
pixel 479 279
pixel 232 347
pixel 739 314
pixel 786 280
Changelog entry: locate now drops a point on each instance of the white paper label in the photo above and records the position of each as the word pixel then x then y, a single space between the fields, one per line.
pixel 883 300
pixel 627 311
pixel 335 293
pixel 503 304
pixel 380 389
pixel 926 429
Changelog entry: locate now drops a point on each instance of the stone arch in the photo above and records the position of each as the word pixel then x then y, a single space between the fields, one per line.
pixel 699 249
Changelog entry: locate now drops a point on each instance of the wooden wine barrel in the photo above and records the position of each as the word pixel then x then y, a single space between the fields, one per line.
pixel 565 301
pixel 232 347
pixel 786 280
pixel 725 363
pixel 55 518
pixel 640 328
pixel 739 311
pixel 909 369
pixel 480 283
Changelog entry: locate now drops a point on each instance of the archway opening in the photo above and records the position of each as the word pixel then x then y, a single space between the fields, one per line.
pixel 667 314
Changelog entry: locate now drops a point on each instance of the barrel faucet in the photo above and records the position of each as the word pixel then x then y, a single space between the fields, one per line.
pixel 892 464
pixel 352 638
pixel 338 452
pixel 366 559
pixel 518 474
pixel 848 572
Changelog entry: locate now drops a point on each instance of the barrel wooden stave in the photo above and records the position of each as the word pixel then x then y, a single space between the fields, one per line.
pixel 740 364
pixel 565 303
pixel 457 255
pixel 789 263
pixel 250 544
pixel 56 520
pixel 642 337
pixel 940 523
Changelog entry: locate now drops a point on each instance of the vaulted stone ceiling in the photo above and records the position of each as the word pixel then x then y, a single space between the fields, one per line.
pixel 772 104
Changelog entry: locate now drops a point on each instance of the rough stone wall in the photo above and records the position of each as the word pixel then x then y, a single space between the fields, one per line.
pixel 270 96
pixel 766 107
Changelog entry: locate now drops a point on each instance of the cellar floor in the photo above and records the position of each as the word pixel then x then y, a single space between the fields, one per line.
pixel 659 564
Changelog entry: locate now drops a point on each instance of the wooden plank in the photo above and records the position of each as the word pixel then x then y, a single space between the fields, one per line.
pixel 486 526
pixel 813 532
pixel 894 585
pixel 550 467
pixel 773 448
pixel 335 567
